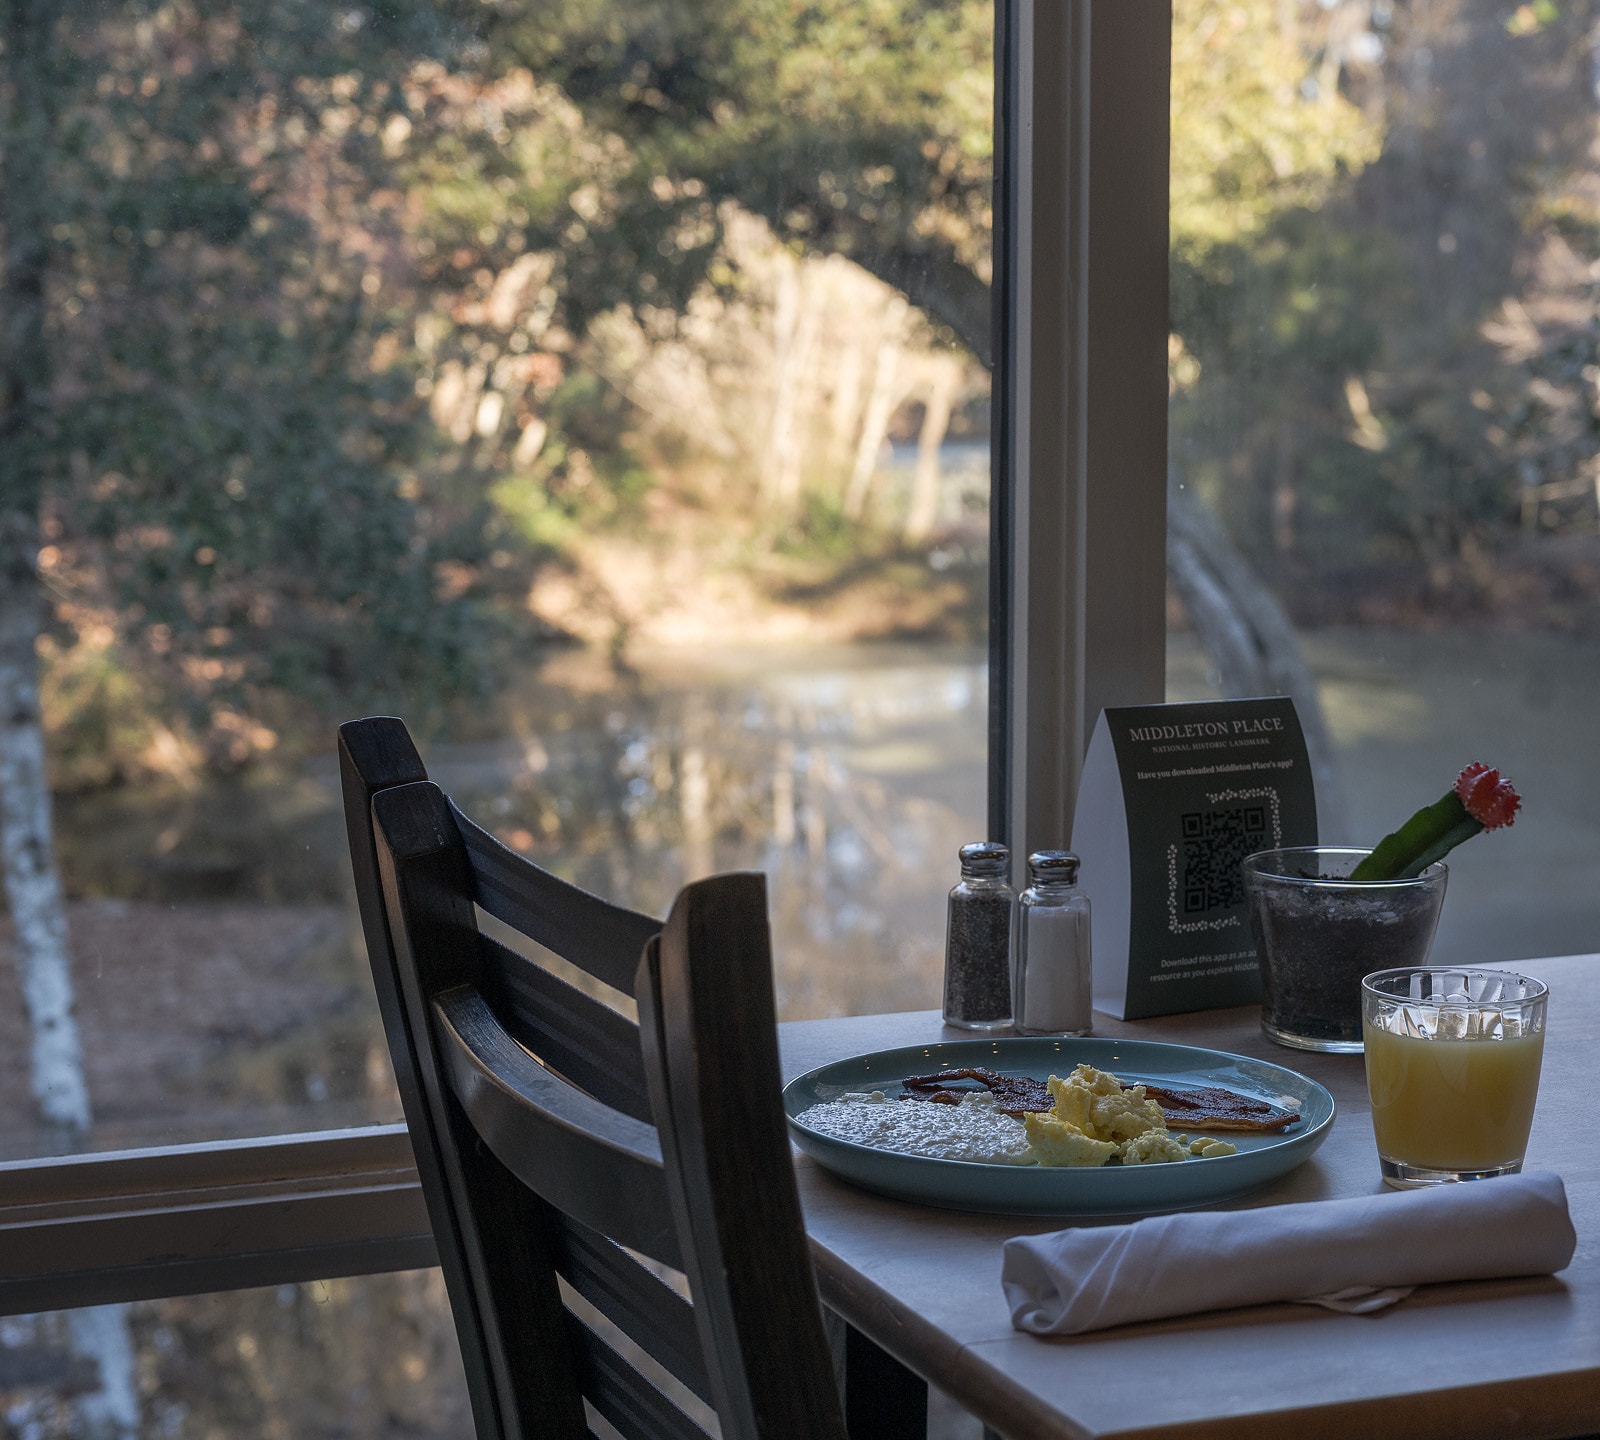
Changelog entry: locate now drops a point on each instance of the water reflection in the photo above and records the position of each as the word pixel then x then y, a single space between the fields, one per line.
pixel 850 777
pixel 1408 709
pixel 222 985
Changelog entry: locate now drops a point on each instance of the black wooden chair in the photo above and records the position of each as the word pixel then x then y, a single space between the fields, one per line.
pixel 558 1143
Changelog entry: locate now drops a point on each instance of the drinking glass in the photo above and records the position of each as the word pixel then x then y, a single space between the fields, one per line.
pixel 1453 1070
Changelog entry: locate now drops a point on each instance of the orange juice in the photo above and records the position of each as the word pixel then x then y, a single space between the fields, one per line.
pixel 1452 1104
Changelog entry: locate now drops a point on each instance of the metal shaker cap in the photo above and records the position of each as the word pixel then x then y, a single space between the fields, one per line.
pixel 984 858
pixel 1053 867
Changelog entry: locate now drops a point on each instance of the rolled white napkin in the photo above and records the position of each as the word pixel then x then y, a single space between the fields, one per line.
pixel 1356 1254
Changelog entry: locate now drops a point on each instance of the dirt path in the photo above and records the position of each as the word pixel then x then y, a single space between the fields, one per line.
pixel 203 1021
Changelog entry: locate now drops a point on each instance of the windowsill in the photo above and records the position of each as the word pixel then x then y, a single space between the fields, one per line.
pixel 192 1219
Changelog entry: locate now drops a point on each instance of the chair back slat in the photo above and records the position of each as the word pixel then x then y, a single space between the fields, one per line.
pixel 586 1159
pixel 635 1299
pixel 629 1402
pixel 573 1033
pixel 601 937
pixel 708 1031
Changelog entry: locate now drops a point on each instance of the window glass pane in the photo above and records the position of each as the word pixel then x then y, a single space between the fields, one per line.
pixel 371 1356
pixel 600 387
pixel 851 776
pixel 366 1358
pixel 1383 371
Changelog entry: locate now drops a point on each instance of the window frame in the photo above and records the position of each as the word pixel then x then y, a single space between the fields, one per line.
pixel 215 1215
pixel 1077 621
pixel 1081 384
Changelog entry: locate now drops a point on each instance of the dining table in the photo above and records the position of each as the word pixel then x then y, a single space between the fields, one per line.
pixel 1501 1358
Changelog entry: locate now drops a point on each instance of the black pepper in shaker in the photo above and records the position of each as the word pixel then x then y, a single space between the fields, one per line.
pixel 977 955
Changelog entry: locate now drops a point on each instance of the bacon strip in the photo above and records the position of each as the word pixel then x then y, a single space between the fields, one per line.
pixel 1210 1107
pixel 1014 1094
pixel 1200 1107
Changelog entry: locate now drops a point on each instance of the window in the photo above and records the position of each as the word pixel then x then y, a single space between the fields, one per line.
pixel 362 1356
pixel 1351 448
pixel 437 232
pixel 1383 387
pixel 396 355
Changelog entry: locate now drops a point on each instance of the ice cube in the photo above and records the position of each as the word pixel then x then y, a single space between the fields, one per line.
pixel 1452 1022
pixel 1417 1022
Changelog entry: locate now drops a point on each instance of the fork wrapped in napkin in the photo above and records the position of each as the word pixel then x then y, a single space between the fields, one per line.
pixel 1356 1255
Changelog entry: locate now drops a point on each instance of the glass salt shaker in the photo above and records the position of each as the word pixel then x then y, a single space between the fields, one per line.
pixel 977 956
pixel 1051 985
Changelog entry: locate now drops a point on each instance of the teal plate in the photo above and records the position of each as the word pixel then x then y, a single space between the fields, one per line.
pixel 1045 1190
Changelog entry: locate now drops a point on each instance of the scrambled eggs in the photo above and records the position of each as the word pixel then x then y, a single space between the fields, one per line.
pixel 1095 1117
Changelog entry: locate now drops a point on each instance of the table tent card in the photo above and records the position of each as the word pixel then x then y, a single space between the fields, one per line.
pixel 1172 798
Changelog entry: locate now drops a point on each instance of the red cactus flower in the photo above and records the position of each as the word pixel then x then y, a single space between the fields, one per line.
pixel 1479 800
pixel 1491 801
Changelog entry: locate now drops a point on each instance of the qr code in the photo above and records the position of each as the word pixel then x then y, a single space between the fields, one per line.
pixel 1213 845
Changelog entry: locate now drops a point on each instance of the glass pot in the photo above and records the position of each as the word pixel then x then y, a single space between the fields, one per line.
pixel 1318 932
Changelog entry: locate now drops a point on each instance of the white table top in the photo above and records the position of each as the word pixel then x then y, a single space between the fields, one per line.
pixel 1494 1359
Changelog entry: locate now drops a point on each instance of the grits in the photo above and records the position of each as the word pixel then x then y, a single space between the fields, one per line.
pixel 973 1130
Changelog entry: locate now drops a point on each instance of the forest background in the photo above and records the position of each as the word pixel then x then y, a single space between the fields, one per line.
pixel 350 350
pixel 354 356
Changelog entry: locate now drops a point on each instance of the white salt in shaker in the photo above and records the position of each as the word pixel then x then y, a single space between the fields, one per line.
pixel 1051 982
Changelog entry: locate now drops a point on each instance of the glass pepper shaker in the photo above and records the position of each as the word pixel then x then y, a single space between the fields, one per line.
pixel 1051 983
pixel 977 956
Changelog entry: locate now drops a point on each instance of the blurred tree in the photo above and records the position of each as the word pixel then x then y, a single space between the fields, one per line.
pixel 1269 301
pixel 233 526
pixel 177 503
pixel 32 110
pixel 1253 138
pixel 1492 128
pixel 858 129
pixel 1362 363
pixel 866 130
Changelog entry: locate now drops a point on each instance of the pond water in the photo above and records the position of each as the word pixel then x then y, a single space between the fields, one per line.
pixel 221 981
pixel 1408 710
pixel 852 777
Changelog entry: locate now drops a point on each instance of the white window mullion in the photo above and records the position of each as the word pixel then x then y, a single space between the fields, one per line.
pixel 1084 234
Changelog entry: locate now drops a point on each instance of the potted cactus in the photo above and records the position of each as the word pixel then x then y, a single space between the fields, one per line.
pixel 1324 916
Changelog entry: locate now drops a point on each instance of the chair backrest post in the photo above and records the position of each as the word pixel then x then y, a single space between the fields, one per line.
pixel 376 754
pixel 708 1027
pixel 495 1232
